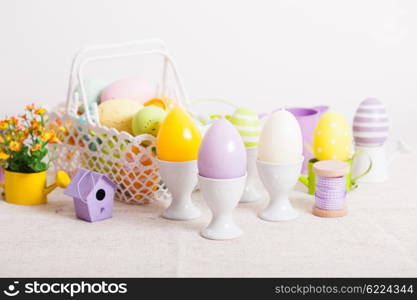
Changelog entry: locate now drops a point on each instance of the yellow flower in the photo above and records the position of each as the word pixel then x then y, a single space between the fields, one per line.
pixel 63 129
pixel 36 126
pixel 13 121
pixel 47 135
pixel 4 156
pixel 3 125
pixel 36 147
pixel 24 134
pixel 54 140
pixel 15 146
pixel 30 107
pixel 40 111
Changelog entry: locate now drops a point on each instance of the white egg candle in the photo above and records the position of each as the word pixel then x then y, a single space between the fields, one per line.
pixel 281 139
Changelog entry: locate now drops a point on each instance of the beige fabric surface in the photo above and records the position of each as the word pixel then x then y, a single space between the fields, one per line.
pixel 377 238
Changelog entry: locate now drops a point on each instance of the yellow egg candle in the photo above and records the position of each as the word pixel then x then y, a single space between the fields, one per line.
pixel 332 138
pixel 178 137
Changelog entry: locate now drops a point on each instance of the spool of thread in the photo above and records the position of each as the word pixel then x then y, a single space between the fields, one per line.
pixel 330 188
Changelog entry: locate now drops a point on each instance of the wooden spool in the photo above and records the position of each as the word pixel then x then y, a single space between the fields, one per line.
pixel 330 169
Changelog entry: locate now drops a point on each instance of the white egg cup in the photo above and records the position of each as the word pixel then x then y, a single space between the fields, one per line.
pixel 180 179
pixel 251 192
pixel 222 197
pixel 279 180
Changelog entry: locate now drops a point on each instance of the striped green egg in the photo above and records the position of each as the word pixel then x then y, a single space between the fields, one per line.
pixel 247 123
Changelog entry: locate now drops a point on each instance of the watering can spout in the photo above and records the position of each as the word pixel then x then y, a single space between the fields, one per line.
pixel 402 148
pixel 62 180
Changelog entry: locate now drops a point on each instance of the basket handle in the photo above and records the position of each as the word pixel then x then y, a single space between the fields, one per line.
pixel 145 47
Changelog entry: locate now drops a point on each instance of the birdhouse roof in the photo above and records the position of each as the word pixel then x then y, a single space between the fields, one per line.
pixel 84 181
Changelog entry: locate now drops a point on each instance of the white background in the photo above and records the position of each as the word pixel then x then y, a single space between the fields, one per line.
pixel 263 54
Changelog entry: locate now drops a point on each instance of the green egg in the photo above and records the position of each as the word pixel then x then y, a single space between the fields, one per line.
pixel 248 125
pixel 148 120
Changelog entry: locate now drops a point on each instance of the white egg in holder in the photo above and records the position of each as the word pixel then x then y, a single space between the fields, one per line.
pixel 279 164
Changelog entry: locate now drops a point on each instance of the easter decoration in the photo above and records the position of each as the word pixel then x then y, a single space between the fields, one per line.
pixel 24 157
pixel 163 102
pixel 330 192
pixel 148 120
pixel 177 147
pixel 118 113
pixel 93 195
pixel 279 163
pixel 248 125
pixel 307 118
pixel 128 160
pixel 370 131
pixel 332 140
pixel 133 88
pixel 222 175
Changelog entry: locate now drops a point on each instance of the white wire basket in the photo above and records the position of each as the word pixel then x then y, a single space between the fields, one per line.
pixel 125 159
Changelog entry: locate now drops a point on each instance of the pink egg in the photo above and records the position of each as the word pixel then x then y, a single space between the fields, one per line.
pixel 222 154
pixel 370 124
pixel 134 88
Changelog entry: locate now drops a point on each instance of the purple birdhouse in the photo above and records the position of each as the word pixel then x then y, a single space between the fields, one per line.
pixel 93 195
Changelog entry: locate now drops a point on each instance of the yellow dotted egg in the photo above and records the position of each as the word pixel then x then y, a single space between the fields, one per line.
pixel 332 138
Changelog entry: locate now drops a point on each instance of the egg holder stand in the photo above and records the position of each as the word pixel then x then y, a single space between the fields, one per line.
pixel 222 196
pixel 181 180
pixel 279 179
pixel 351 181
pixel 252 190
pixel 125 159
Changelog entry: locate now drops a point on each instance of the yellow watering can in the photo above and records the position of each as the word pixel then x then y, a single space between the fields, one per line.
pixel 30 188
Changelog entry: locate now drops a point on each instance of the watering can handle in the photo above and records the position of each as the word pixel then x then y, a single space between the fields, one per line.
pixel 364 173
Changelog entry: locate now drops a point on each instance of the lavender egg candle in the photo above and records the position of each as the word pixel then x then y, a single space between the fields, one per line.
pixel 222 154
pixel 370 124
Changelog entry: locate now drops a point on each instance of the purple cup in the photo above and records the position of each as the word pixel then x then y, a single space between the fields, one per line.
pixel 307 118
